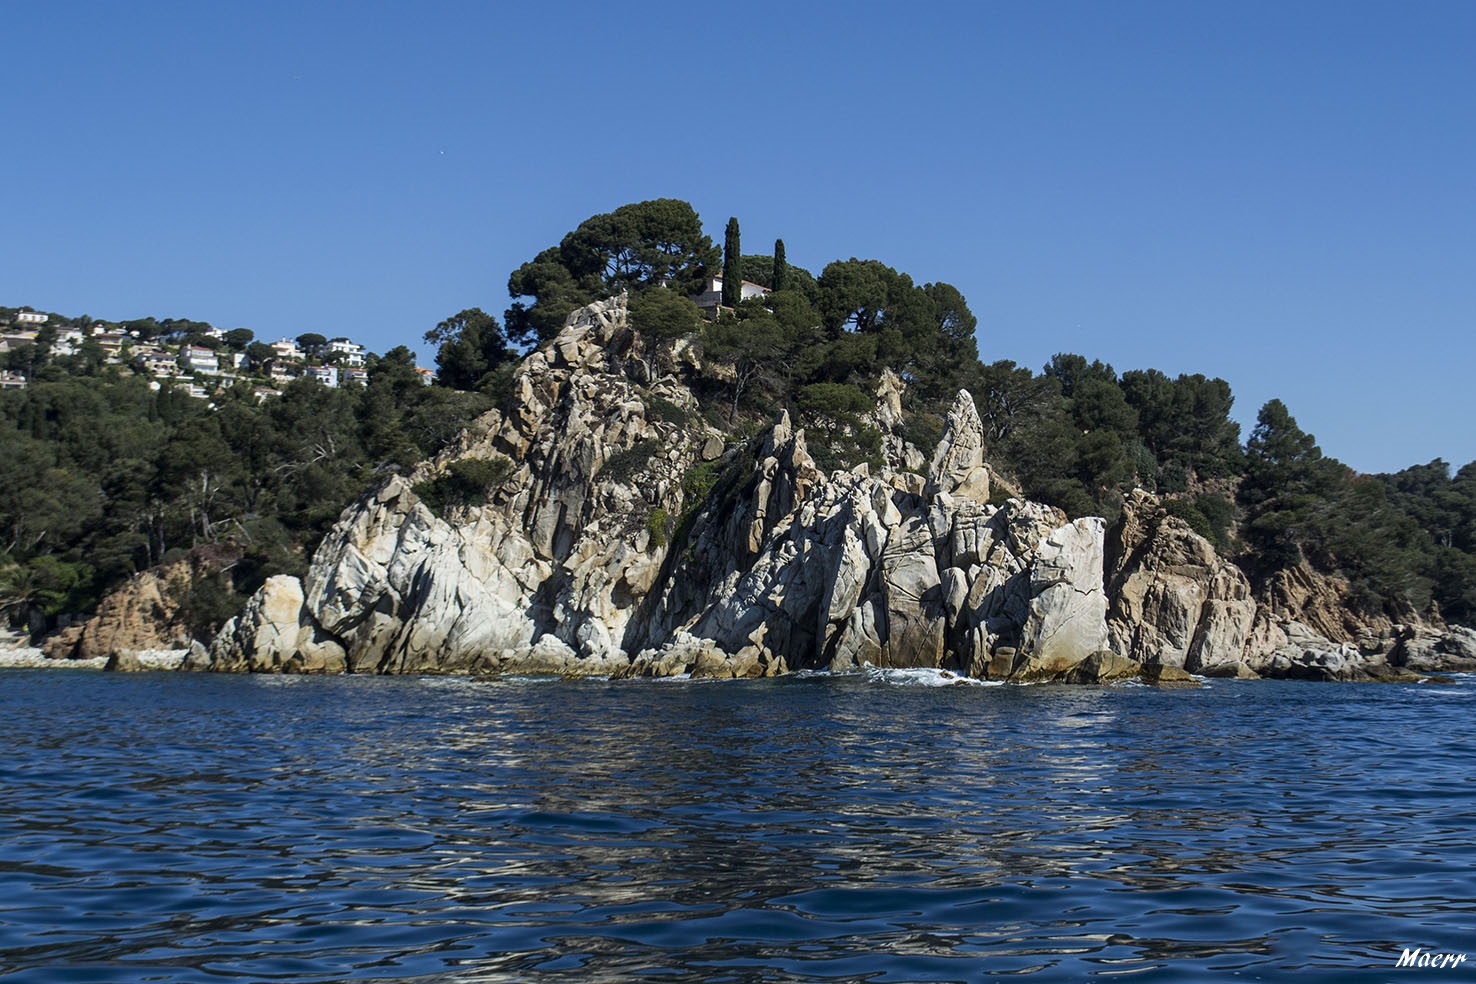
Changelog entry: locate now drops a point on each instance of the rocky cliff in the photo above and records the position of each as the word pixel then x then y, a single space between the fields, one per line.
pixel 631 537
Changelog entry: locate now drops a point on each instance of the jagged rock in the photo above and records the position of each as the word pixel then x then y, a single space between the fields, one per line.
pixel 1425 650
pixel 1320 602
pixel 912 593
pixel 1174 601
pixel 593 548
pixel 958 465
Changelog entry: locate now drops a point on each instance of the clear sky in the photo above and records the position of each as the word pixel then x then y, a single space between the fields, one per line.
pixel 1282 194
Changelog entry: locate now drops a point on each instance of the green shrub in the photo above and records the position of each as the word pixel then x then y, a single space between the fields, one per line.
pixel 658 525
pixel 622 466
pixel 664 411
pixel 698 482
pixel 466 482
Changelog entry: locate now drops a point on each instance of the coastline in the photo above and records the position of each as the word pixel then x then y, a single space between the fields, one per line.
pixel 30 657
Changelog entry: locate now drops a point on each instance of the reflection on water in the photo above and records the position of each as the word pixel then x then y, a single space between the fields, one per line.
pixel 186 828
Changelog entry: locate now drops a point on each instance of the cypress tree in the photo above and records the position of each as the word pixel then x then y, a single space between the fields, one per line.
pixel 781 268
pixel 732 270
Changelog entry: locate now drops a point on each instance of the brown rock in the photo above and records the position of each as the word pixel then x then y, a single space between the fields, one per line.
pixel 1167 676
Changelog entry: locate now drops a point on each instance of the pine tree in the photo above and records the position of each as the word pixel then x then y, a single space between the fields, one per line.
pixel 732 270
pixel 781 268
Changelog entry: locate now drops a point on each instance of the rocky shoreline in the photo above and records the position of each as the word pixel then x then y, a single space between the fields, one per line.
pixel 630 537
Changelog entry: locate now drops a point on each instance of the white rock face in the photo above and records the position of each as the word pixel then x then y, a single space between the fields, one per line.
pixel 958 463
pixel 1068 606
pixel 272 635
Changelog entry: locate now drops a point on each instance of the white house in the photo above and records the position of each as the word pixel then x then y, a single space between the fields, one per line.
pixel 352 352
pixel 68 341
pixel 31 318
pixel 327 375
pixel 198 359
pixel 712 298
pixel 286 348
pixel 12 381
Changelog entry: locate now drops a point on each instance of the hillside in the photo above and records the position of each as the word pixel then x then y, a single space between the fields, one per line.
pixel 600 524
pixel 866 364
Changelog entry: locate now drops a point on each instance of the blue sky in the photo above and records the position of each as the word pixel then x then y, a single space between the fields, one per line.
pixel 1280 194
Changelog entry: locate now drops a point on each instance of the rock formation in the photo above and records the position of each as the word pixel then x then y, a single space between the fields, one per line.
pixel 629 538
pixel 143 614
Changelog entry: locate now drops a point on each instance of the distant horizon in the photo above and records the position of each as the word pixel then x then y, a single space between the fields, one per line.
pixel 1277 196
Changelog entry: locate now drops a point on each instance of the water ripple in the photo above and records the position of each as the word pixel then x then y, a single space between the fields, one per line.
pixel 877 827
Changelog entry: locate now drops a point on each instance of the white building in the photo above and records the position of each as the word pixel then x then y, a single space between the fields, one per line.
pixel 286 348
pixel 31 318
pixel 68 341
pixel 352 352
pixel 12 381
pixel 327 375
pixel 198 359
pixel 712 298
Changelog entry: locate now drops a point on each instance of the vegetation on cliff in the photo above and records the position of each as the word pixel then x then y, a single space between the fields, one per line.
pixel 105 477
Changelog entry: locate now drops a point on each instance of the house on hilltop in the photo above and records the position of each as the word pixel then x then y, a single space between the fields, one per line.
pixel 351 353
pixel 712 298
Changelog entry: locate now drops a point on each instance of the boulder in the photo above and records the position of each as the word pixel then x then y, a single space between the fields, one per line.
pixel 273 634
pixel 124 661
pixel 1161 675
pixel 1103 666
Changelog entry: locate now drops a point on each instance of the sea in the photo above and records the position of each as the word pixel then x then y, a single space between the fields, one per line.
pixel 886 826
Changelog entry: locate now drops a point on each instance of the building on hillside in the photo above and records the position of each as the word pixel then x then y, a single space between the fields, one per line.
pixel 156 362
pixel 68 341
pixel 326 375
pixel 427 376
pixel 282 374
pixel 199 359
pixel 351 353
pixel 353 375
pixel 181 384
pixel 12 380
pixel 31 318
pixel 263 393
pixel 12 340
pixel 286 348
pixel 712 298
pixel 111 341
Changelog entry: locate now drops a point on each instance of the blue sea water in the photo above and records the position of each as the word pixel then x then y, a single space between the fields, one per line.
pixel 195 828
